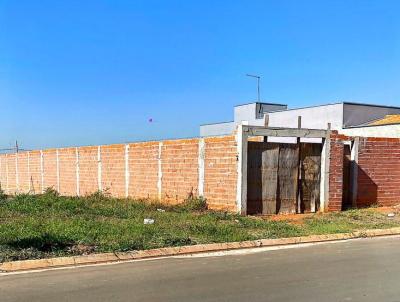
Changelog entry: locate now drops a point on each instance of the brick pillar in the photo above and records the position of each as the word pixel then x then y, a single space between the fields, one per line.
pixel 336 173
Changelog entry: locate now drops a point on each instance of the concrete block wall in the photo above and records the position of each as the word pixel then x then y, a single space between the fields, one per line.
pixel 170 171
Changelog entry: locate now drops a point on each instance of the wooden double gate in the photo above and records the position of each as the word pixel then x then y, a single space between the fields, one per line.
pixel 283 178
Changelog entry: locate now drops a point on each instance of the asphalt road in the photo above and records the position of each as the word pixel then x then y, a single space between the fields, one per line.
pixel 361 270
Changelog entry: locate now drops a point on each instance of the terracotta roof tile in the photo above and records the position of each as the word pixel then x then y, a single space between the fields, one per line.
pixel 387 120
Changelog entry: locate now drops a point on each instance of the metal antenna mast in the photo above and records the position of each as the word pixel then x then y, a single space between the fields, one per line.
pixel 258 84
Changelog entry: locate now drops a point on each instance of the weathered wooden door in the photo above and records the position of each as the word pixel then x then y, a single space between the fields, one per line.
pixel 262 177
pixel 310 177
pixel 283 178
pixel 288 174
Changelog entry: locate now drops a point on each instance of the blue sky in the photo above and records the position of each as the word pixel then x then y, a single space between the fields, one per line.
pixel 94 72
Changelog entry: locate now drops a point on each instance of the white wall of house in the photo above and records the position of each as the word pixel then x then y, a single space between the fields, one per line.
pixel 217 129
pixel 340 115
pixel 316 117
pixel 374 131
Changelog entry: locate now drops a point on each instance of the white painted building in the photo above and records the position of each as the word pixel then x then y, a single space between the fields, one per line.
pixel 346 117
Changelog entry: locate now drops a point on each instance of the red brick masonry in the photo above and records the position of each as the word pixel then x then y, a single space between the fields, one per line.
pixel 378 180
pixel 169 170
pixel 138 174
pixel 336 173
pixel 378 171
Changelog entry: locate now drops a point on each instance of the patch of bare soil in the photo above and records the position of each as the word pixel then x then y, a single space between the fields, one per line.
pixel 387 210
pixel 82 249
pixel 297 219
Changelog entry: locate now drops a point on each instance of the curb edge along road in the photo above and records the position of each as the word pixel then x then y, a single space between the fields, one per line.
pixel 24 265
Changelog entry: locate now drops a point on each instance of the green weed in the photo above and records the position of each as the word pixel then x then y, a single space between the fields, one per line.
pixel 48 225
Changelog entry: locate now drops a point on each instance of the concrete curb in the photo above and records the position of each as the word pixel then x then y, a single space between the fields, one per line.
pixel 15 266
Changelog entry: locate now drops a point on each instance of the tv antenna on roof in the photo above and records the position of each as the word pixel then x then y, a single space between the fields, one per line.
pixel 258 84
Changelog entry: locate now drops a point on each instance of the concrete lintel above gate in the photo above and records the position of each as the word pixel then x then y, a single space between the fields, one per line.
pixel 283 132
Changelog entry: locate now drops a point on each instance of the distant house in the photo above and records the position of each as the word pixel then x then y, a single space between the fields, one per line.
pixel 341 116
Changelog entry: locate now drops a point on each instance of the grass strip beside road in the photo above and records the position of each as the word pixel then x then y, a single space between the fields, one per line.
pixel 49 225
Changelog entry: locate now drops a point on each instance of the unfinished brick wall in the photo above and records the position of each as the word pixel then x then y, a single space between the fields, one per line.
pixel 50 169
pixel 113 169
pixel 143 167
pixel 221 171
pixel 171 169
pixel 3 174
pixel 12 185
pixel 179 160
pixel 378 171
pixel 336 173
pixel 88 174
pixel 23 173
pixel 166 170
pixel 67 165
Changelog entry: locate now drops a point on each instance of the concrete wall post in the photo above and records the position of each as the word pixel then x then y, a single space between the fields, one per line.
pixel 41 171
pixel 77 171
pixel 325 162
pixel 201 163
pixel 16 172
pixel 29 173
pixel 354 171
pixel 159 182
pixel 127 175
pixel 7 184
pixel 58 170
pixel 99 167
pixel 241 188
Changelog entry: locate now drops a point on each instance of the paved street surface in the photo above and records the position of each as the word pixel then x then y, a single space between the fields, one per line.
pixel 361 270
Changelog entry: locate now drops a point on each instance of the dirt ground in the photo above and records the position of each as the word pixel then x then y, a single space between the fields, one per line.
pixel 299 218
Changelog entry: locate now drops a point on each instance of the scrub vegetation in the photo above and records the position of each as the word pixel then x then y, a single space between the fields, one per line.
pixel 49 225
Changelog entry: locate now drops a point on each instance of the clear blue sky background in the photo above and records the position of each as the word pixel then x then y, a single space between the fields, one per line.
pixel 94 72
